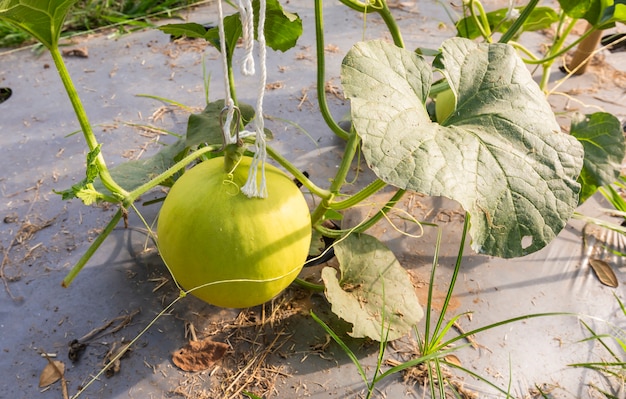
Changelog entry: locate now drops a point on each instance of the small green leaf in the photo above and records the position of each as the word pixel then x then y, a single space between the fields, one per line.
pixel 92 166
pixel 232 31
pixel 332 214
pixel 43 19
pixel 205 126
pixel 539 18
pixel 500 154
pixel 373 288
pixel 602 138
pixel 189 29
pixel 282 28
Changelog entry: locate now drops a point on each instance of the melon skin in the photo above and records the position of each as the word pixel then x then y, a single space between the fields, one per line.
pixel 245 250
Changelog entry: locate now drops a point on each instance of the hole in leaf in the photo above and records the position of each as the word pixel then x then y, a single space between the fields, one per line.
pixel 527 241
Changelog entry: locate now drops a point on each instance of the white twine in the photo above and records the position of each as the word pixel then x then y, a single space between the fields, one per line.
pixel 246 14
pixel 251 188
pixel 229 104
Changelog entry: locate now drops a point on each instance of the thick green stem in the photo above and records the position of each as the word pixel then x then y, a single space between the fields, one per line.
pixel 92 249
pixel 392 25
pixel 81 115
pixel 534 60
pixel 555 49
pixel 320 192
pixel 363 194
pixel 232 156
pixel 321 73
pixel 231 82
pixel 340 177
pixel 362 7
pixel 368 223
pixel 310 286
pixel 136 193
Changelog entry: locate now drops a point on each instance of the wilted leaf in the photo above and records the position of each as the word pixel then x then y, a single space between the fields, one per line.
pixel 50 374
pixel 603 140
pixel 373 287
pixel 604 272
pixel 501 154
pixel 199 355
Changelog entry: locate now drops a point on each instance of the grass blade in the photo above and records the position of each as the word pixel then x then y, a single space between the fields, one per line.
pixel 343 346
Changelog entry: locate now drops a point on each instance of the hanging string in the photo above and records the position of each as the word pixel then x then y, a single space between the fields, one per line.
pixel 229 104
pixel 251 188
pixel 246 14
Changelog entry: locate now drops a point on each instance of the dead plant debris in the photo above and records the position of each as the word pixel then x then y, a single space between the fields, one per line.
pixel 199 355
pixel 51 373
pixel 78 52
pixel 78 346
pixel 26 231
pixel 113 358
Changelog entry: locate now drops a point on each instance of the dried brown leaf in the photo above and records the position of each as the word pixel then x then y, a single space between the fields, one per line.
pixel 453 360
pixel 199 355
pixel 51 373
pixel 604 272
pixel 112 360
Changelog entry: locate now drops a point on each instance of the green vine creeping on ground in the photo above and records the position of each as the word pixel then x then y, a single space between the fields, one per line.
pixel 482 153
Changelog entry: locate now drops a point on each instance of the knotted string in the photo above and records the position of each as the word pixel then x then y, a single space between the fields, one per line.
pixel 251 188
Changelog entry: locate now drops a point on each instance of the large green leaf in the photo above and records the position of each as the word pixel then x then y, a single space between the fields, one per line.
pixel 500 154
pixel 373 288
pixel 43 19
pixel 499 21
pixel 602 138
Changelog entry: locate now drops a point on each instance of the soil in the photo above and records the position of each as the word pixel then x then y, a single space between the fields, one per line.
pixel 124 308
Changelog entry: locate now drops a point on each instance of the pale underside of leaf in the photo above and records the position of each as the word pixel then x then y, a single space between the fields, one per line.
pixel 501 154
pixel 374 292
